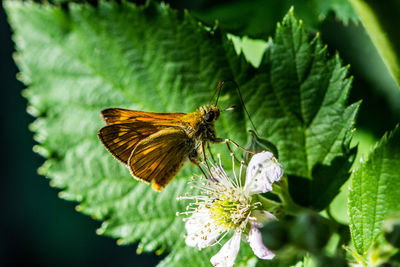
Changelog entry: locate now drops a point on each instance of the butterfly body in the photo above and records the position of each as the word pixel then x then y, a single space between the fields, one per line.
pixel 156 145
pixel 198 128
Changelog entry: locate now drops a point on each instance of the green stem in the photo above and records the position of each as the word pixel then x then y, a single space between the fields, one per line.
pixel 357 256
pixel 268 204
pixel 282 190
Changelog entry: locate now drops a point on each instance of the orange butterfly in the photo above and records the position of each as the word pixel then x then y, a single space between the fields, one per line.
pixel 156 145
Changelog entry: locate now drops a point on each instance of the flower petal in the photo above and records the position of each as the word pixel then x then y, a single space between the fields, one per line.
pixel 258 247
pixel 226 256
pixel 201 230
pixel 260 217
pixel 263 170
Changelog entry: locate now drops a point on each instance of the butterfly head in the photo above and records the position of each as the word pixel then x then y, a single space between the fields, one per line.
pixel 210 113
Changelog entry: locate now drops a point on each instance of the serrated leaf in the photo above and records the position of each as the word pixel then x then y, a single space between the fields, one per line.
pixel 258 18
pixel 298 101
pixel 92 59
pixel 79 61
pixel 374 192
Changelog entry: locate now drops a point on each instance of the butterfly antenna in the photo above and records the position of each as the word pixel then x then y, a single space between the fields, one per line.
pixel 219 90
pixel 220 83
pixel 244 106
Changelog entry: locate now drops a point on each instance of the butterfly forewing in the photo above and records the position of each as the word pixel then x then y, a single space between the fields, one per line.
pixel 118 115
pixel 160 156
pixel 127 127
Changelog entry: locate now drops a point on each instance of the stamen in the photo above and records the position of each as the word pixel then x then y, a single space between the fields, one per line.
pixel 235 182
pixel 240 173
pixel 221 200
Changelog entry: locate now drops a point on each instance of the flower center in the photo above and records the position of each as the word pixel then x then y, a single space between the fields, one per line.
pixel 230 209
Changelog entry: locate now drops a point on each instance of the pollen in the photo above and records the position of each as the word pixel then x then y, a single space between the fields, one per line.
pixel 229 214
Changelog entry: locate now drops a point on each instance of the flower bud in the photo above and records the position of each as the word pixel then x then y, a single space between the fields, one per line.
pixel 310 232
pixel 275 234
pixel 258 144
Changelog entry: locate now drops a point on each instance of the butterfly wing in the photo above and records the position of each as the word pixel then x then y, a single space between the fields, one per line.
pixel 125 128
pixel 120 139
pixel 118 115
pixel 160 156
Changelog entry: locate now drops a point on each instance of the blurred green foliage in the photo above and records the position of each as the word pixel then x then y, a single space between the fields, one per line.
pixel 380 22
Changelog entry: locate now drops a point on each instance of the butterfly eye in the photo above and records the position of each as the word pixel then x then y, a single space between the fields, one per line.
pixel 209 117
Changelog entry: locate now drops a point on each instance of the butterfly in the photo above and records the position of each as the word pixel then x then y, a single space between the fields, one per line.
pixel 155 146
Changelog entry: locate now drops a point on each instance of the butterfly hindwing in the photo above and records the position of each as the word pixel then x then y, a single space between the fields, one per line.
pixel 160 156
pixel 121 139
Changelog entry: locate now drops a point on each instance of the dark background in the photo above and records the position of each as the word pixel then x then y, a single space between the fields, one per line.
pixel 39 229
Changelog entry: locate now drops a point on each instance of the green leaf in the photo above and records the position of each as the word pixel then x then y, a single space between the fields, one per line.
pixel 258 18
pixel 298 101
pixel 374 192
pixel 87 59
pixel 381 25
pixel 80 60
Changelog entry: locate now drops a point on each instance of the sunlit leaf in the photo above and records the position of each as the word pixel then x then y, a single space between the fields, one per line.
pixel 374 192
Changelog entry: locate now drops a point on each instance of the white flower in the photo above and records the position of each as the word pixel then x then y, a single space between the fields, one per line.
pixel 225 206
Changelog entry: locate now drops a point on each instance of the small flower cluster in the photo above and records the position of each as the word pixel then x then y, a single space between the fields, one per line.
pixel 224 206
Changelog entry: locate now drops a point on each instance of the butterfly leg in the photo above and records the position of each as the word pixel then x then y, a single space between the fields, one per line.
pixel 195 162
pixel 227 141
pixel 222 141
pixel 203 151
pixel 211 154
